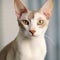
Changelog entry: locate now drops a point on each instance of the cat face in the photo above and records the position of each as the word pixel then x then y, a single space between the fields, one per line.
pixel 33 23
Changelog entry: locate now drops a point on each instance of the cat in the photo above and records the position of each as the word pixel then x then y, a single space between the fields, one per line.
pixel 30 42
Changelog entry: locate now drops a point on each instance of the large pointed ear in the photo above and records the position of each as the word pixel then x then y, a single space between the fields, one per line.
pixel 19 8
pixel 47 8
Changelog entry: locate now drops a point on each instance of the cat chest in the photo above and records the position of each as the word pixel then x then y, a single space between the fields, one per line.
pixel 30 54
pixel 31 51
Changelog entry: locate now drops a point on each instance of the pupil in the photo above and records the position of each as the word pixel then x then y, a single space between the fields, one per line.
pixel 26 22
pixel 41 21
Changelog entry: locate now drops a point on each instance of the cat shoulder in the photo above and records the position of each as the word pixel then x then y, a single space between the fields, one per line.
pixel 6 49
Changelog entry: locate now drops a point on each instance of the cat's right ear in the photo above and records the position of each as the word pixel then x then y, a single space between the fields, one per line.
pixel 47 8
pixel 19 8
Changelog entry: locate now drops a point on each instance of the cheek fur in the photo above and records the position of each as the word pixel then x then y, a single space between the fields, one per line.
pixel 27 33
pixel 40 31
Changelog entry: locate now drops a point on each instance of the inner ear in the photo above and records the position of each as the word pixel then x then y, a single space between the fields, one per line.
pixel 19 8
pixel 47 14
pixel 47 8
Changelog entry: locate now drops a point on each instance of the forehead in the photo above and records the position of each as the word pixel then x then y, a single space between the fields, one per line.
pixel 28 15
pixel 36 15
pixel 33 15
pixel 39 16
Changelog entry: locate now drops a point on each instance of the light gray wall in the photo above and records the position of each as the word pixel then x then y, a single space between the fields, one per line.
pixel 58 29
pixel 0 23
pixel 8 23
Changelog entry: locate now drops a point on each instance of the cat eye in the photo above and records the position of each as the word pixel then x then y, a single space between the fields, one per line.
pixel 25 22
pixel 40 22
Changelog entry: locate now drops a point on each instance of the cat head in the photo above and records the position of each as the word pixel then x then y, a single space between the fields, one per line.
pixel 33 23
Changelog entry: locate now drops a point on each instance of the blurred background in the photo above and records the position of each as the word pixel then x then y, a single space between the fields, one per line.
pixel 9 27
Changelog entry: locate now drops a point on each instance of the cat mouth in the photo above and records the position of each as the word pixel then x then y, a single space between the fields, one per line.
pixel 33 35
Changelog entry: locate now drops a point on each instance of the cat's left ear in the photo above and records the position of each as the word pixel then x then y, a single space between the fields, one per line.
pixel 19 8
pixel 47 8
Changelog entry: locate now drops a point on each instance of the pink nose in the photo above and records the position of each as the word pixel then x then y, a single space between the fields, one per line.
pixel 32 31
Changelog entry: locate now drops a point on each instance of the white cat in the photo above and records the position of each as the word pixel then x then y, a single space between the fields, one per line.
pixel 30 42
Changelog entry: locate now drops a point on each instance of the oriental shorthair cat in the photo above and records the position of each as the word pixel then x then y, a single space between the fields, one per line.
pixel 30 42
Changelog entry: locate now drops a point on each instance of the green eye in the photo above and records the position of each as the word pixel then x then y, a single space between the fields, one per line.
pixel 25 22
pixel 40 22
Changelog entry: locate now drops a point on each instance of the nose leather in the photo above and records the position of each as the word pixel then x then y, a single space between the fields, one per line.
pixel 32 31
